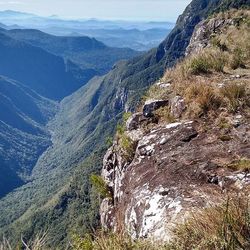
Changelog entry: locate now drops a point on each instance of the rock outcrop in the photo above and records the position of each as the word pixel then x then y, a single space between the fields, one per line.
pixel 152 105
pixel 177 169
pixel 204 32
pixel 178 106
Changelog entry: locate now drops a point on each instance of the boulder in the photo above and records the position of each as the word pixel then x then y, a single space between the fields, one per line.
pixel 151 105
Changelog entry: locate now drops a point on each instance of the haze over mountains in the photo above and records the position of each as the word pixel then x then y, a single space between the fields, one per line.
pixel 135 35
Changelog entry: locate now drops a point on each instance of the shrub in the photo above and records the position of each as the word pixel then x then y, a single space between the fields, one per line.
pixel 223 123
pixel 126 144
pixel 120 129
pixel 82 243
pixel 100 186
pixel 109 141
pixel 126 116
pixel 225 137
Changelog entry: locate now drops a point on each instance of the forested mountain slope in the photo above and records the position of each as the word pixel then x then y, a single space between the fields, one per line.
pixel 39 73
pixel 40 70
pixel 23 133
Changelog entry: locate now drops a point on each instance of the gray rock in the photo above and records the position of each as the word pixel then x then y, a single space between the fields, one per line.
pixel 134 121
pixel 163 141
pixel 237 121
pixel 107 213
pixel 203 32
pixel 163 84
pixel 178 106
pixel 151 105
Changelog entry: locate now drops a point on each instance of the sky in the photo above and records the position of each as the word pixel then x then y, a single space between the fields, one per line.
pixel 149 10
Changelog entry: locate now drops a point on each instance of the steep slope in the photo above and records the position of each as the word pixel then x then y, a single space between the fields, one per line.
pixel 43 72
pixel 229 4
pixel 81 127
pixel 188 147
pixel 23 135
pixel 86 52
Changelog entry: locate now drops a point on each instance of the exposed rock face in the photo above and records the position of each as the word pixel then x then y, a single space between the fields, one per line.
pixel 204 31
pixel 178 106
pixel 134 121
pixel 177 168
pixel 152 105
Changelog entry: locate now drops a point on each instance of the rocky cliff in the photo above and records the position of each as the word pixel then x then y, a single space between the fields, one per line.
pixel 189 146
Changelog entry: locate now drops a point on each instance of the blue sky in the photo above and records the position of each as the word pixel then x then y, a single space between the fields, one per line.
pixel 102 9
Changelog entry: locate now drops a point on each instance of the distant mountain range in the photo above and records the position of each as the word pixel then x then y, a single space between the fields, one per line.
pixel 135 35
pixel 9 17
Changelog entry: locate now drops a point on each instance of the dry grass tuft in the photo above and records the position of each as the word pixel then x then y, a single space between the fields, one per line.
pixel 164 115
pixel 225 226
pixel 236 96
pixel 203 79
pixel 205 96
pixel 207 61
pixel 38 243
pixel 112 241
pixel 5 244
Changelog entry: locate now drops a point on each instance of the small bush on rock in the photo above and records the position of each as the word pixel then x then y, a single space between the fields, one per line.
pixel 100 186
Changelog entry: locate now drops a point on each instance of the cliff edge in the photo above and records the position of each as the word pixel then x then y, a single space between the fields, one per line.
pixel 188 147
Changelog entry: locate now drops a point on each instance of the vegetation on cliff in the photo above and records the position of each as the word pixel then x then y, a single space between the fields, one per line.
pixel 214 78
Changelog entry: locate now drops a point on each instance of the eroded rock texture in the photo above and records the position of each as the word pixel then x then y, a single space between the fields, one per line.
pixel 177 168
pixel 204 32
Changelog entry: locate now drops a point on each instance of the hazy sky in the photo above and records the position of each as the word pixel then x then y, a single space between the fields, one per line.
pixel 102 9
